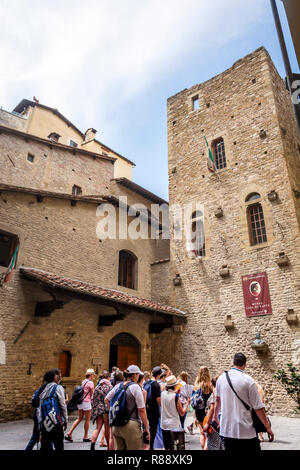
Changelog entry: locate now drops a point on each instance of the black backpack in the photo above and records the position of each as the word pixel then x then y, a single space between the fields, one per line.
pixel 77 397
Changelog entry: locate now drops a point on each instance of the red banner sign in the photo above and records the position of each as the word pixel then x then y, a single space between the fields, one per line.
pixel 256 294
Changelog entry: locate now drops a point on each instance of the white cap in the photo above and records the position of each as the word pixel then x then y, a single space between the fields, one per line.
pixel 134 370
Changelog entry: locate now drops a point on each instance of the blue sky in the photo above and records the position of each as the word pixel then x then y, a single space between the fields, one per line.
pixel 112 64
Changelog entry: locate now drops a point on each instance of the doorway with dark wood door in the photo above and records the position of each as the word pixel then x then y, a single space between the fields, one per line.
pixel 124 351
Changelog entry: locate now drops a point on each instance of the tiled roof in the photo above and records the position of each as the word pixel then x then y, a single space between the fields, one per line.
pixel 85 288
pixel 140 190
pixel 98 199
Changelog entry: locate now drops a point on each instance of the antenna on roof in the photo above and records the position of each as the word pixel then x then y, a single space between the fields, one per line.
pixel 35 99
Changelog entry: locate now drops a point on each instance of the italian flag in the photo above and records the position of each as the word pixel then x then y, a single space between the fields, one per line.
pixel 12 264
pixel 210 159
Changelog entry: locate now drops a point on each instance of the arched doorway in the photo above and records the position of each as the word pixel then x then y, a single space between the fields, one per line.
pixel 124 350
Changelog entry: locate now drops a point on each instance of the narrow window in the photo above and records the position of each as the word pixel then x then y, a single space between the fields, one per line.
pixel 195 102
pixel 8 245
pixel 197 235
pixel 219 153
pixel 64 364
pixel 127 270
pixel 76 190
pixel 256 221
pixel 30 157
pixel 54 136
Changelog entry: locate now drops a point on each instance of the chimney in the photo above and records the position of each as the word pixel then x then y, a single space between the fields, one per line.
pixel 89 134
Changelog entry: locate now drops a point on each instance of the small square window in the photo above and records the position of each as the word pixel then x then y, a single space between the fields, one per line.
pixel 73 144
pixel 76 190
pixel 30 157
pixel 195 102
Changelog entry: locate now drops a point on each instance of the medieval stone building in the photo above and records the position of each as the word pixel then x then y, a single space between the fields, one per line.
pixel 242 277
pixel 229 272
pixel 75 300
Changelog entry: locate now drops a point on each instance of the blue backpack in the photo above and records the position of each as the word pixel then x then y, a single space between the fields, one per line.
pixel 118 415
pixel 49 414
pixel 197 401
pixel 148 388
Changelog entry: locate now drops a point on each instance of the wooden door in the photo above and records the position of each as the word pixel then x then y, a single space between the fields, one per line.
pixel 127 355
pixel 64 363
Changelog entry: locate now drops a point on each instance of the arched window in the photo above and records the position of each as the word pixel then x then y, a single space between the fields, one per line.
pixel 64 363
pixel 256 221
pixel 219 153
pixel 197 235
pixel 127 270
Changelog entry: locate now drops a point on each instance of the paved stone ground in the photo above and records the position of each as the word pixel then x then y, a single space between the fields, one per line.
pixel 14 435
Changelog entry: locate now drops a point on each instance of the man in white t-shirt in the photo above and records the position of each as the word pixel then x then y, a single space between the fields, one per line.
pixel 236 424
pixel 130 436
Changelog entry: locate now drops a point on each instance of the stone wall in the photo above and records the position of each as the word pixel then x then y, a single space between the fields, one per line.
pixel 8 119
pixel 235 105
pixel 59 238
pixel 53 168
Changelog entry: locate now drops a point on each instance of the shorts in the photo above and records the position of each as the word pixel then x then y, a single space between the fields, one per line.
pixel 85 406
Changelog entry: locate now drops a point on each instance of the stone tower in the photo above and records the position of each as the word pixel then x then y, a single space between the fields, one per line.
pixel 249 222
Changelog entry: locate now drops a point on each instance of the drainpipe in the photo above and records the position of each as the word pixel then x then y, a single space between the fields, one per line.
pixel 287 65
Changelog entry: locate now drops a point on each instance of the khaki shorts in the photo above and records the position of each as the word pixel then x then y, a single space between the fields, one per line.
pixel 129 436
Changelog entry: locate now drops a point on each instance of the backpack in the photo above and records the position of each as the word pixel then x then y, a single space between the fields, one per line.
pixel 197 401
pixel 49 414
pixel 77 397
pixel 118 415
pixel 148 388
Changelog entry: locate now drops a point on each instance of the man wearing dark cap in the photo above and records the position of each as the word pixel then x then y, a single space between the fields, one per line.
pixel 153 402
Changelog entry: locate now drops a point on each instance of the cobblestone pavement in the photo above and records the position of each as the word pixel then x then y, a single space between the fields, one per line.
pixel 16 434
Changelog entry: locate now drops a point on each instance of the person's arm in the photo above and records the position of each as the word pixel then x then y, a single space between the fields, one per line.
pixel 144 418
pixel 180 408
pixel 261 413
pixel 60 393
pixel 158 399
pixel 210 415
pixel 217 409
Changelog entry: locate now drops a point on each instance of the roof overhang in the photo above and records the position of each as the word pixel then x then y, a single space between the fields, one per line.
pixel 93 293
pixel 140 190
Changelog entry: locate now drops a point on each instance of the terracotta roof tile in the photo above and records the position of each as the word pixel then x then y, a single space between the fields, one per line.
pixel 62 282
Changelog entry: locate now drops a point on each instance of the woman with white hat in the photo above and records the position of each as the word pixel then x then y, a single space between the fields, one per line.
pixel 85 407
pixel 171 410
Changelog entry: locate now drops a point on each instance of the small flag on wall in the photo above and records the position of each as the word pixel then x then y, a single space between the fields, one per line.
pixel 12 264
pixel 210 159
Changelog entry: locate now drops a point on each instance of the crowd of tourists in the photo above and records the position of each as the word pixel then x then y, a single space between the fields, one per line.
pixel 135 410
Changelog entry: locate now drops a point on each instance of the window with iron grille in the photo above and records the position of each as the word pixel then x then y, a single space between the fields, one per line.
pixel 256 223
pixel 197 241
pixel 219 153
pixel 127 270
pixel 76 190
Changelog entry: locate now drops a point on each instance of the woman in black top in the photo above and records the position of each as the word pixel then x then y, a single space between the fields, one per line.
pixel 203 382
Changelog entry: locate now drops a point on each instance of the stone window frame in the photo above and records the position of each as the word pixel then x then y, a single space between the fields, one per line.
pixel 192 97
pixel 134 273
pixel 213 148
pixel 15 241
pixel 73 142
pixel 30 158
pixel 228 151
pixel 268 217
pixel 187 221
pixel 75 187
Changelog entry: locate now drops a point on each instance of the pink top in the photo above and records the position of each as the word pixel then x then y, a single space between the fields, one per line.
pixel 88 390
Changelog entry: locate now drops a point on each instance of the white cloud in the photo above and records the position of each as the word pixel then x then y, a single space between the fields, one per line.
pixel 86 58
